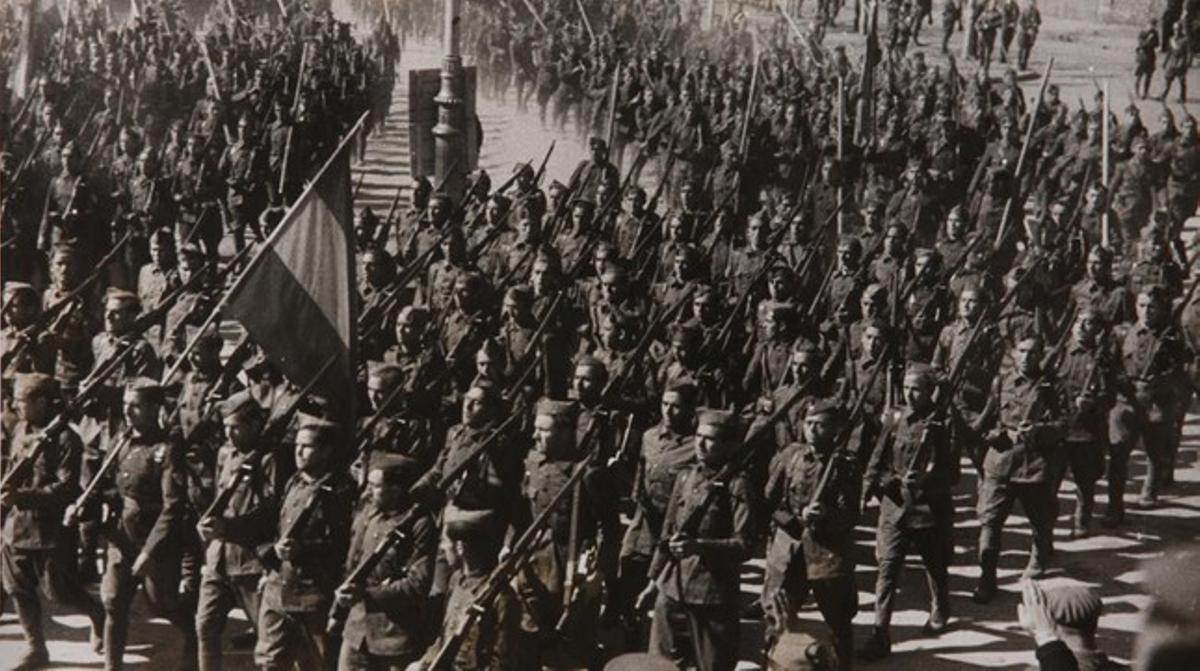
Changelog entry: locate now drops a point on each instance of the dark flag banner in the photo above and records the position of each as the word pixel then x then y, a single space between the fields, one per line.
pixel 296 298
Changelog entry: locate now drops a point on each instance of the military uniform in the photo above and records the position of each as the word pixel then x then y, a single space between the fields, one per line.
pixel 812 555
pixel 295 594
pixel 36 550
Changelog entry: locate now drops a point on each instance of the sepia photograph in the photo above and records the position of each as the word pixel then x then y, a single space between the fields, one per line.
pixel 599 335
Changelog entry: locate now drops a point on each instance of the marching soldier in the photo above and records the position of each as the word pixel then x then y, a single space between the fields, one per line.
pixel 385 621
pixel 1025 415
pixel 245 169
pixel 236 525
pixel 311 535
pixel 37 551
pixel 813 514
pixel 912 470
pixel 144 484
pixel 695 569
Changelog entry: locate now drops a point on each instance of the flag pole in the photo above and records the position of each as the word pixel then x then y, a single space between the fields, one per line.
pixel 262 250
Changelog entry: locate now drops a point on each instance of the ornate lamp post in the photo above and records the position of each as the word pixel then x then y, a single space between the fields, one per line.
pixel 450 131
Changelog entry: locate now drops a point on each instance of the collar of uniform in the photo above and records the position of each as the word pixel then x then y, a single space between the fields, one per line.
pixel 314 482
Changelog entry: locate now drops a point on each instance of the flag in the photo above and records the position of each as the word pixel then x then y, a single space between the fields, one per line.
pixel 864 134
pixel 21 70
pixel 296 298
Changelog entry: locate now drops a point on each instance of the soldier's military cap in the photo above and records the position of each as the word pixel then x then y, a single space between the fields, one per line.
pixel 66 248
pixel 614 270
pixel 589 361
pixel 519 294
pixel 780 269
pixel 824 406
pixel 486 387
pixel 469 525
pixel 1101 253
pixel 874 291
pixel 241 406
pixel 441 196
pixel 32 384
pixel 469 280
pixel 1074 606
pixel 548 257
pixel 14 289
pixel 923 252
pixel 556 185
pixel 722 420
pixel 523 167
pixel 383 375
pixel 191 249
pixel 120 297
pixel 920 371
pixel 548 407
pixel 583 203
pixel 851 242
pixel 806 347
pixel 501 200
pixel 598 143
pixel 144 388
pixel 415 315
pixel 1155 292
pixel 323 430
pixel 397 469
pixel 685 334
pixel 67 373
pixel 685 387
pixel 163 236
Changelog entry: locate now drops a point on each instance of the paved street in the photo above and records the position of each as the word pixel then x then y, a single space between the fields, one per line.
pixel 981 637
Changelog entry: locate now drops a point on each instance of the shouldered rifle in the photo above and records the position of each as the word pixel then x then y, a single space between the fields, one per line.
pixel 525 362
pixel 274 430
pixel 50 316
pixel 499 578
pixel 1172 322
pixel 71 518
pixel 844 437
pixel 859 273
pixel 400 533
pixel 23 469
pixel 945 394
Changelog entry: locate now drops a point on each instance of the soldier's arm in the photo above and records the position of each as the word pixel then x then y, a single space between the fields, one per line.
pixel 174 498
pixel 409 588
pixel 256 526
pixel 669 527
pixel 736 545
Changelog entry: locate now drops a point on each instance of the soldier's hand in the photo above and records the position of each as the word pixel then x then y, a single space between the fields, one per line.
pixel 285 549
pixel 813 512
pixel 211 528
pixel 646 598
pixel 682 546
pixel 141 565
pixel 911 481
pixel 71 516
pixel 347 594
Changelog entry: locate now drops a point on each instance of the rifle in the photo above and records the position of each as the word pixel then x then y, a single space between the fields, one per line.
pixel 71 517
pixel 274 431
pixel 362 570
pixel 1020 167
pixel 499 578
pixel 23 469
pixel 944 395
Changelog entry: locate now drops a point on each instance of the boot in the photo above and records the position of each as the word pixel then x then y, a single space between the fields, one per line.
pixel 985 591
pixel 877 647
pixel 35 657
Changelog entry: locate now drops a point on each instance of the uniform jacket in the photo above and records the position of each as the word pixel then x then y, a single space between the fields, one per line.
pixel 794 475
pixel 32 522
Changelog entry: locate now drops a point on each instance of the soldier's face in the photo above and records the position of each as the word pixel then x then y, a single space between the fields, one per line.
pixel 922 264
pixel 918 392
pixel 409 332
pixel 310 454
pixel 140 413
pixel 611 288
pixel 118 317
pixel 712 448
pixel 385 495
pixel 540 278
pixel 475 408
pixel 1027 355
pixel 241 432
pixel 62 268
pixel 526 229
pixel 968 304
pixel 580 217
pixel 1149 310
pixel 954 225
pixel 34 408
pixel 754 231
pixel 21 309
pixel 819 429
pixel 871 304
pixel 872 343
pixel 847 258
pixel 550 435
pixel 1097 266
pixel 206 356
pixel 1086 328
pixel 586 383
pixel 485 366
pixel 676 411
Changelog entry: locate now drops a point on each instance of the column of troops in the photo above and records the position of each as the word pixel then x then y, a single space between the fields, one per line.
pixel 727 336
